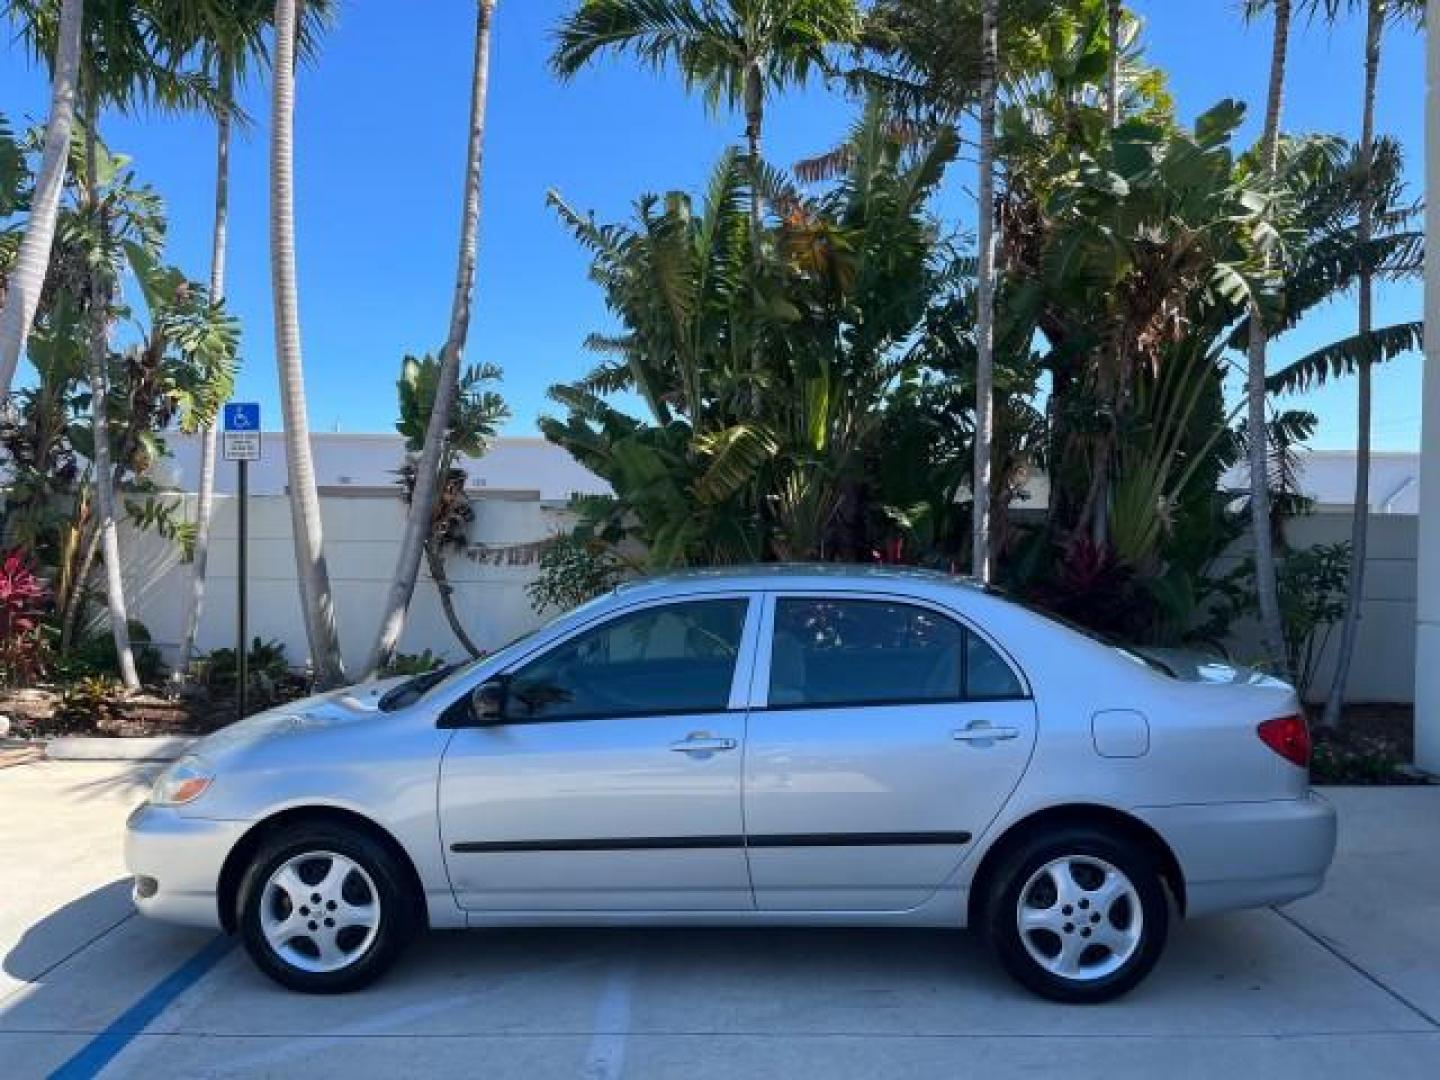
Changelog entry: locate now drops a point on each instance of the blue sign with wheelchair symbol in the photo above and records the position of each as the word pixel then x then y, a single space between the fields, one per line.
pixel 242 416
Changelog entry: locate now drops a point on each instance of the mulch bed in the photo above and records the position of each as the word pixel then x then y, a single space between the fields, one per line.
pixel 1374 744
pixel 42 714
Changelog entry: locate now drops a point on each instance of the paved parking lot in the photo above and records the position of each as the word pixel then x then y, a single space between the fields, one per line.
pixel 1346 983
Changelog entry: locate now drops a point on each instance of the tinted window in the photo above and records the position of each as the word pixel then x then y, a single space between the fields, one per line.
pixel 857 652
pixel 671 659
pixel 833 652
pixel 987 676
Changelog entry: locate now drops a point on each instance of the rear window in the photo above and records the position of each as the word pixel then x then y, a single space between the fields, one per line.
pixel 1133 653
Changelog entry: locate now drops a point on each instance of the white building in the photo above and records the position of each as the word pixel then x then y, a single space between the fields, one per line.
pixel 355 463
pixel 347 463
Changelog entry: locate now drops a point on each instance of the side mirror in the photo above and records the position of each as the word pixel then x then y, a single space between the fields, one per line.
pixel 487 701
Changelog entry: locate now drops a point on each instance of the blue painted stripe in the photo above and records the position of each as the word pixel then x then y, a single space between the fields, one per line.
pixel 104 1047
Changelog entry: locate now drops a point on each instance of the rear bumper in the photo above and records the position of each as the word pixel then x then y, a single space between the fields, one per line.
pixel 176 863
pixel 1243 855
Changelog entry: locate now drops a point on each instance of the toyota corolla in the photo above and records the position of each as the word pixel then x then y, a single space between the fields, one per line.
pixel 779 746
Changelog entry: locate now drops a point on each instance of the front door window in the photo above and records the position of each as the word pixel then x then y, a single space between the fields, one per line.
pixel 670 660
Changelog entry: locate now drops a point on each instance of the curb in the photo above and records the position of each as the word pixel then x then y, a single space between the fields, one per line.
pixel 99 748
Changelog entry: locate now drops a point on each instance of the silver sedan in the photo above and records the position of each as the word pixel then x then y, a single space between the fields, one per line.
pixel 780 746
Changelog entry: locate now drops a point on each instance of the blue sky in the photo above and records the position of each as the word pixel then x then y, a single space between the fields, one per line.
pixel 380 143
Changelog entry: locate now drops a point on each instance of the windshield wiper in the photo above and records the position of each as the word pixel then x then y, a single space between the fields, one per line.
pixel 413 689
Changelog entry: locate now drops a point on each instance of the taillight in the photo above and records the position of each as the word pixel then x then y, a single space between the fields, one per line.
pixel 1288 736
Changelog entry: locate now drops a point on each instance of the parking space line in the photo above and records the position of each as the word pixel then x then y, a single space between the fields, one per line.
pixel 606 1057
pixel 382 1025
pixel 102 1049
pixel 1355 967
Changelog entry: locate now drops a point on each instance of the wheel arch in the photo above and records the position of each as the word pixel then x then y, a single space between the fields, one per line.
pixel 232 871
pixel 1099 816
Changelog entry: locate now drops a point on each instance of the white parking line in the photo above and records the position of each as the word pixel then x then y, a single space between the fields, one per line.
pixel 606 1057
pixel 390 1021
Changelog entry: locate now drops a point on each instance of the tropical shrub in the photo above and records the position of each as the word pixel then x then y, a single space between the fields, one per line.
pixel 268 671
pixel 22 600
pixel 1313 583
pixel 412 664
pixel 93 655
pixel 764 358
pixel 573 568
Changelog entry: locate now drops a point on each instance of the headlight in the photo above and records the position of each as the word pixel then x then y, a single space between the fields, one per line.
pixel 182 783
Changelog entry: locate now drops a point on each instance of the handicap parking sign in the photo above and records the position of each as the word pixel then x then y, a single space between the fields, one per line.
pixel 242 416
pixel 242 431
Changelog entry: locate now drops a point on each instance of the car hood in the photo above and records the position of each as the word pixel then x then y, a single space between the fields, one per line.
pixel 1190 666
pixel 348 705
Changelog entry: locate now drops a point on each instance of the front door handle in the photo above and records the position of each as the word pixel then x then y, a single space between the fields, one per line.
pixel 701 743
pixel 982 732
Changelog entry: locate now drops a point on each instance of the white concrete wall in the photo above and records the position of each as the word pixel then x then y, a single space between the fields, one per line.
pixel 361 535
pixel 1384 667
pixel 369 460
pixel 361 539
pixel 1427 616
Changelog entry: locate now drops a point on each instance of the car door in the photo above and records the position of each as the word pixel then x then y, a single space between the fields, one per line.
pixel 611 781
pixel 891 734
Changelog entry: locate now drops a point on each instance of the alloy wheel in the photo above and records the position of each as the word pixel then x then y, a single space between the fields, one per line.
pixel 1079 918
pixel 320 911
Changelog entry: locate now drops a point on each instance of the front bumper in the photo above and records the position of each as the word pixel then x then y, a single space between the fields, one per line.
pixel 1245 855
pixel 176 863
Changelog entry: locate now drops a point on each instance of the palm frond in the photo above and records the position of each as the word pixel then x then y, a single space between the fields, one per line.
pixel 1345 356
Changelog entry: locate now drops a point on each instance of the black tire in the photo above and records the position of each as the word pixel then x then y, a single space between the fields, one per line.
pixel 1019 869
pixel 394 925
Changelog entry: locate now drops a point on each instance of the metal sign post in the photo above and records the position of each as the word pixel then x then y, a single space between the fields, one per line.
pixel 242 446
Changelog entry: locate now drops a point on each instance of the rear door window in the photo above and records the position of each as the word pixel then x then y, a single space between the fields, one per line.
pixel 838 652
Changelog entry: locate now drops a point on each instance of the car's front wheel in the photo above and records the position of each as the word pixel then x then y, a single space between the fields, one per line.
pixel 324 909
pixel 1078 915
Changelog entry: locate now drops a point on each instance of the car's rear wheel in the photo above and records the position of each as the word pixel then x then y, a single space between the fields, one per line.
pixel 1078 915
pixel 324 909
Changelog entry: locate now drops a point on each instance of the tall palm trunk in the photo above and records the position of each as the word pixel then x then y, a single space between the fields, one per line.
pixel 1359 527
pixel 1097 500
pixel 1272 629
pixel 98 318
pixel 427 472
pixel 1112 89
pixel 316 600
pixel 28 277
pixel 219 237
pixel 985 294
pixel 754 125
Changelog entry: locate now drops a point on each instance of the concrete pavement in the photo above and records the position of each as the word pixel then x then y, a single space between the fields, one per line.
pixel 1346 983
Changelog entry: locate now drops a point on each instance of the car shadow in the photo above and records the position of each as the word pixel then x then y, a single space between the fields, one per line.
pixel 67 931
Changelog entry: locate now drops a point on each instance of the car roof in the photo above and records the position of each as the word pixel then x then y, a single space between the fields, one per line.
pixel 791 575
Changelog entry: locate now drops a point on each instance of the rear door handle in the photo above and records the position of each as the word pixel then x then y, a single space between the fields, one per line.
pixel 702 744
pixel 983 732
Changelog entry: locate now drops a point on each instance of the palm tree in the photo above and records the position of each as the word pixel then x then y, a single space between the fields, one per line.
pixel 226 37
pixel 98 322
pixel 1376 12
pixel 428 473
pixel 1271 625
pixel 985 287
pixel 734 51
pixel 474 416
pixel 28 277
pixel 1112 83
pixel 316 600
pixel 120 66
